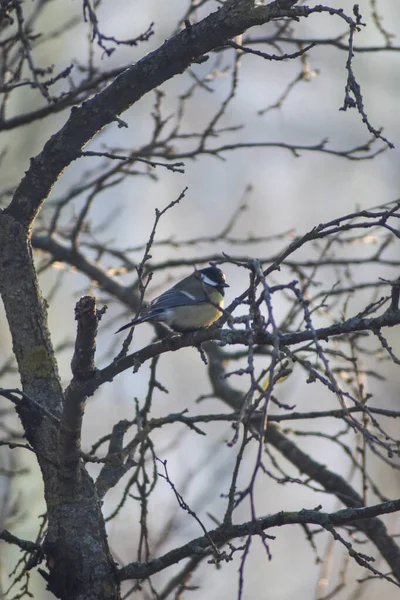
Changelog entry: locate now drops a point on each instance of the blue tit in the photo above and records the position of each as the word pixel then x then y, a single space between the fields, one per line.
pixel 191 304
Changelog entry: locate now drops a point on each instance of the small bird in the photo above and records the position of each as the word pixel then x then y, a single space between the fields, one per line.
pixel 191 304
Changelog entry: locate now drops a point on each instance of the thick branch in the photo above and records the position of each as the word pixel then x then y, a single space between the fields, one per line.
pixel 201 546
pixel 76 542
pixel 172 58
pixel 229 337
pixel 27 318
pixel 62 253
pixel 25 545
pixel 83 370
pixel 374 529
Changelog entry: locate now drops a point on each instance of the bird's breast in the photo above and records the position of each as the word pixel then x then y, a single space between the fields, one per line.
pixel 190 318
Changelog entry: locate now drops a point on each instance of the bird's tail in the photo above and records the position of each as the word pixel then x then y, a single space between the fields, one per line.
pixel 128 325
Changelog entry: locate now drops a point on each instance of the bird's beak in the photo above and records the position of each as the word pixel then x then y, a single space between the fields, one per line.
pixel 226 285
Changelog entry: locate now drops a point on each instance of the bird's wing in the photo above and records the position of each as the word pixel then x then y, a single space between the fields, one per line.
pixel 172 298
pixel 168 300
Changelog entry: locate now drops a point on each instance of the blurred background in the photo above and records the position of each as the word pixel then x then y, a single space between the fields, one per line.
pixel 282 193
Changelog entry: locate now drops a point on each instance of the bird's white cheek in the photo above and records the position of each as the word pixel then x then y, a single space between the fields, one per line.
pixel 208 281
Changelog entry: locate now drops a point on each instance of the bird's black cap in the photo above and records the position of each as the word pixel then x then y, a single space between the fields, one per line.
pixel 216 275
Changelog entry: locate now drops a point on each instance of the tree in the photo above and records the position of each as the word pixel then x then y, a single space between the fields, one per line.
pixel 296 312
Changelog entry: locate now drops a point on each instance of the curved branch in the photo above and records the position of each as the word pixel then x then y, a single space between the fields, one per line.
pixel 172 58
pixel 229 337
pixel 221 535
pixel 63 253
pixel 373 528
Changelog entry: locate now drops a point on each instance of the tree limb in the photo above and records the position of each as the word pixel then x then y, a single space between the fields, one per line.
pixel 172 58
pixel 221 535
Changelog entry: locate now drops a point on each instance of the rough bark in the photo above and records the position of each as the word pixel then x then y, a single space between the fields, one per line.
pixel 78 558
pixel 79 562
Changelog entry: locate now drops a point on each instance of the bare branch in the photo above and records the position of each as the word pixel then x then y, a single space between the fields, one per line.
pixel 202 547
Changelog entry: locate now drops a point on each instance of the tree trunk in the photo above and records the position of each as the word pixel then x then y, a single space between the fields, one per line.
pixel 79 562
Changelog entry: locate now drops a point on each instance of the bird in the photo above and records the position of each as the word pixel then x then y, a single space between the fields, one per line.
pixel 193 303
